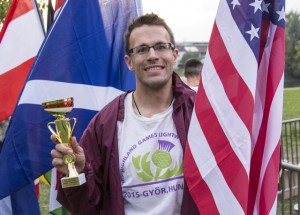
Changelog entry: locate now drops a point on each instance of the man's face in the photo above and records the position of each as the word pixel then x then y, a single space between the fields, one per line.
pixel 153 69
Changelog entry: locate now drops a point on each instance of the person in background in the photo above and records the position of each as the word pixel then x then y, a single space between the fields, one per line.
pixel 132 150
pixel 192 72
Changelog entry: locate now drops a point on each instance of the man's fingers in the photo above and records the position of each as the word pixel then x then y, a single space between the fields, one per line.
pixel 63 149
pixel 75 146
pixel 54 139
pixel 55 154
pixel 60 166
pixel 57 162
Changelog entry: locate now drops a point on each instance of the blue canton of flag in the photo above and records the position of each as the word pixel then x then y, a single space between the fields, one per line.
pixel 251 15
pixel 81 57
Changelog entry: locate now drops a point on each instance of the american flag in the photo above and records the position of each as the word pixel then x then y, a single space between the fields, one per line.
pixel 233 152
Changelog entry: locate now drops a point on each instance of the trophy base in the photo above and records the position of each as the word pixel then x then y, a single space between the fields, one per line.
pixel 73 181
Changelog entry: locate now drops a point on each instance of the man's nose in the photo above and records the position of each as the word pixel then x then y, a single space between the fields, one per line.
pixel 152 52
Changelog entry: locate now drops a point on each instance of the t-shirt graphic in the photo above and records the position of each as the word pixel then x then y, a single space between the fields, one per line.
pixel 161 159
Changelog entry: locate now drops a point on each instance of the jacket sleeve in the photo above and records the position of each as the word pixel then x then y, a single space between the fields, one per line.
pixel 85 199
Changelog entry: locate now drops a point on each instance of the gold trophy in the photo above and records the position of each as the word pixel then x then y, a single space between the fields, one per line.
pixel 63 132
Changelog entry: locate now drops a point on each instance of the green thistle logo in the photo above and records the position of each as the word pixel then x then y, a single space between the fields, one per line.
pixel 162 159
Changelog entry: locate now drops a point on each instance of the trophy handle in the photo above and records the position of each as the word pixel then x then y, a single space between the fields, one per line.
pixel 50 128
pixel 74 125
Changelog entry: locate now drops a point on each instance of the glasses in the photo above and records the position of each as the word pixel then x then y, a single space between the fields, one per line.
pixel 144 49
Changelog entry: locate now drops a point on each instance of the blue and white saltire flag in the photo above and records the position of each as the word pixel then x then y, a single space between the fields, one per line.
pixel 22 202
pixel 81 57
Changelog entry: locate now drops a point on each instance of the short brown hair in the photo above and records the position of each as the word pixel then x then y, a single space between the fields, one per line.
pixel 147 19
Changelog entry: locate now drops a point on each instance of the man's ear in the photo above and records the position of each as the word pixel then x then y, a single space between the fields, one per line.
pixel 128 62
pixel 175 54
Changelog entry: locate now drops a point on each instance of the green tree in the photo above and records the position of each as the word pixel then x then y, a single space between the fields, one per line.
pixel 4 5
pixel 188 55
pixel 292 60
pixel 297 56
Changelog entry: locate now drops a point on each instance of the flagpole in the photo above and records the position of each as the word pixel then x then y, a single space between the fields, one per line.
pixel 50 15
pixel 40 17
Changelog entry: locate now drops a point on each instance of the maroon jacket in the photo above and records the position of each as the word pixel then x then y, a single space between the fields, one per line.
pixel 102 194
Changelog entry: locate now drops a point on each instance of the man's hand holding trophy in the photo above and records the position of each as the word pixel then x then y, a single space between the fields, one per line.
pixel 63 132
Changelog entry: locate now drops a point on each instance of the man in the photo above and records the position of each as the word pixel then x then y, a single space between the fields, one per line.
pixel 132 150
pixel 192 72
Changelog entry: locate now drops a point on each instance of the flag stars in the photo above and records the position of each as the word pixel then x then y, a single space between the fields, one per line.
pixel 256 5
pixel 253 32
pixel 265 7
pixel 234 3
pixel 281 14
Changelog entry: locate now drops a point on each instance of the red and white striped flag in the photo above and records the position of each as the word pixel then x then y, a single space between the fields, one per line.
pixel 58 5
pixel 232 154
pixel 20 39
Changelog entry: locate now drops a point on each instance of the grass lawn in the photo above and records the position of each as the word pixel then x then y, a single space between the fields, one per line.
pixel 44 198
pixel 291 103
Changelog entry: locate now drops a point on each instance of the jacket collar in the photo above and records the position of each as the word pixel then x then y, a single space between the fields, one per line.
pixel 180 90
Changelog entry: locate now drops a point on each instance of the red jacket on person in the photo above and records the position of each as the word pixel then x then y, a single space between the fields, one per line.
pixel 102 193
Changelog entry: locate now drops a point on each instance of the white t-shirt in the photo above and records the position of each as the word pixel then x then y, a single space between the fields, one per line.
pixel 195 88
pixel 151 163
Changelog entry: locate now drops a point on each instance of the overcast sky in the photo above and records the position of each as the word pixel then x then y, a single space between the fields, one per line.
pixel 192 20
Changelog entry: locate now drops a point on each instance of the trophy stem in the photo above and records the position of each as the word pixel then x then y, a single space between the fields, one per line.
pixel 72 170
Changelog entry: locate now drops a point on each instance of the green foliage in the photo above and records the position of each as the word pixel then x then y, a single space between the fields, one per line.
pixel 42 4
pixel 292 59
pixel 297 56
pixel 291 103
pixel 188 55
pixel 4 5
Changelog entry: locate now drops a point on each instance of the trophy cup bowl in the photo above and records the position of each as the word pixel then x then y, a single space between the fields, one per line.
pixel 63 132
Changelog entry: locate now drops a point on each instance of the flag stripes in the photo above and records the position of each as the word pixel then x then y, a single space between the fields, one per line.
pixel 268 139
pixel 58 6
pixel 16 49
pixel 236 45
pixel 228 73
pixel 21 37
pixel 232 155
pixel 26 6
pixel 197 181
pixel 55 89
pixel 14 12
pixel 12 86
